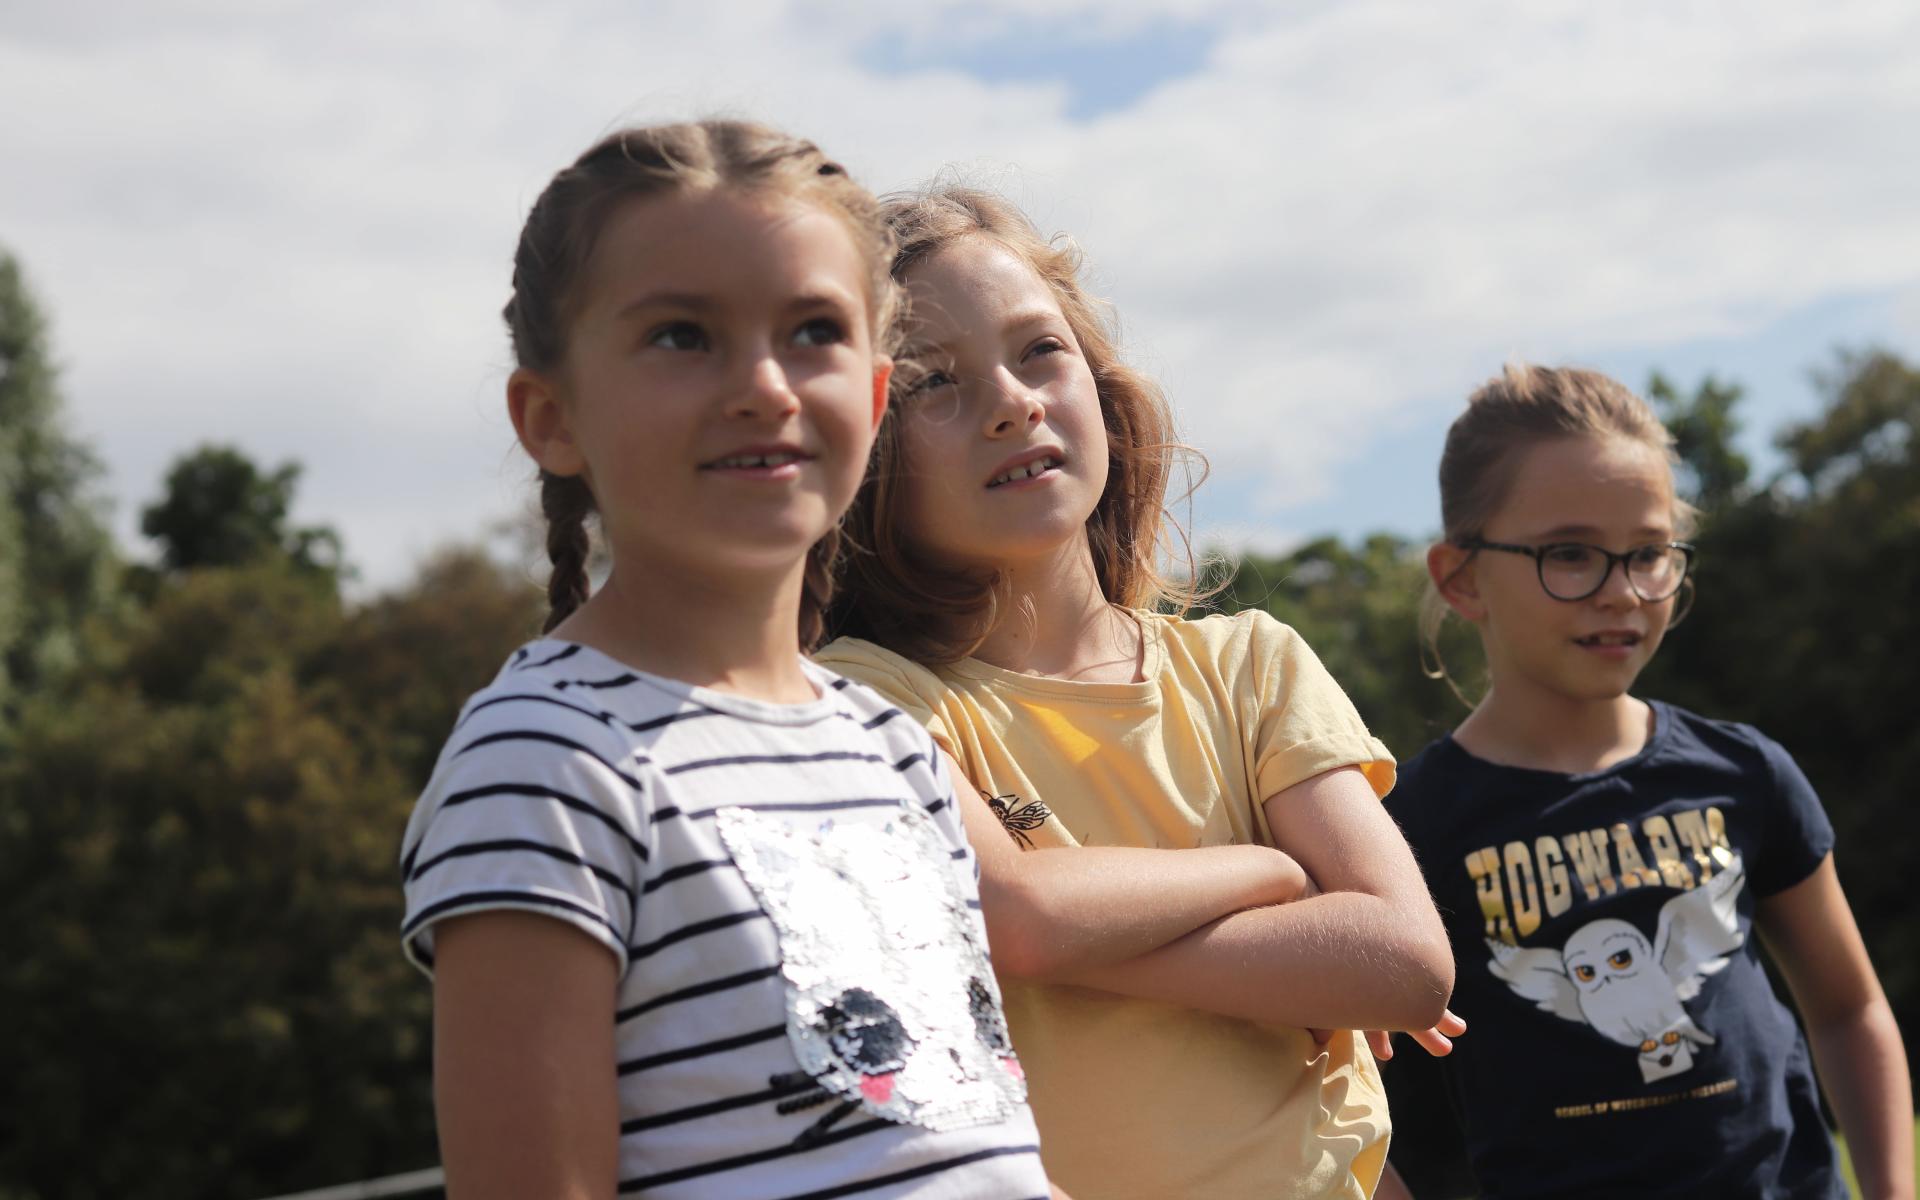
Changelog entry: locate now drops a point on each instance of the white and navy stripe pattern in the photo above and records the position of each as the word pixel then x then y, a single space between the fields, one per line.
pixel 577 787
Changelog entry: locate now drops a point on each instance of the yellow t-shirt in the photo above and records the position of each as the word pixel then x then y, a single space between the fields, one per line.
pixel 1136 1098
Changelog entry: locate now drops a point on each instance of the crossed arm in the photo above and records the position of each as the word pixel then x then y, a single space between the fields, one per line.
pixel 1338 932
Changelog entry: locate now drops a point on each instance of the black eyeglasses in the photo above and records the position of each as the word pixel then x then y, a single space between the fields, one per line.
pixel 1575 570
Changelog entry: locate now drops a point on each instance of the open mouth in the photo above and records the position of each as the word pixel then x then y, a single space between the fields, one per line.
pixel 1608 639
pixel 745 461
pixel 1038 466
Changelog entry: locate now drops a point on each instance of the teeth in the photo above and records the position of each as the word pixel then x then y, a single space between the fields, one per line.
pixel 757 460
pixel 1028 471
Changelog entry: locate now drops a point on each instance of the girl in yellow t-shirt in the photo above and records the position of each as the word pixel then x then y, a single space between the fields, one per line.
pixel 1000 589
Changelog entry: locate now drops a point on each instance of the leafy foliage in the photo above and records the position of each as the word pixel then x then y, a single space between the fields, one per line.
pixel 1358 609
pixel 220 510
pixel 201 829
pixel 56 561
pixel 1806 626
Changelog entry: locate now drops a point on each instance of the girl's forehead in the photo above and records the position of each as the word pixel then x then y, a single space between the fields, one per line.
pixel 974 280
pixel 1604 484
pixel 716 239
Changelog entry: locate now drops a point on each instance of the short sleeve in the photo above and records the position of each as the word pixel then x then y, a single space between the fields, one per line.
pixel 901 681
pixel 1799 835
pixel 946 816
pixel 530 808
pixel 1305 725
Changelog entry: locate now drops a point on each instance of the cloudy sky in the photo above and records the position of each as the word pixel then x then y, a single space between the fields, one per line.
pixel 286 225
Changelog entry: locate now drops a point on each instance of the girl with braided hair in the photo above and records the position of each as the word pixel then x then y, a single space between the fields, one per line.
pixel 700 916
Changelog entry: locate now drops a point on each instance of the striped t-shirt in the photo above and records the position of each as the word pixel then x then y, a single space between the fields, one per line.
pixel 805 1007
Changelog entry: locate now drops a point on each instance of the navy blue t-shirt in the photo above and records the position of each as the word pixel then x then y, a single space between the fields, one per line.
pixel 1624 1038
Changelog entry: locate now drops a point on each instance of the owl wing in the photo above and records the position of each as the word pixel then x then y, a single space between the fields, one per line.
pixel 1539 976
pixel 1698 929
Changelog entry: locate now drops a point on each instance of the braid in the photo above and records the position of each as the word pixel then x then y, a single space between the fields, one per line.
pixel 565 502
pixel 816 589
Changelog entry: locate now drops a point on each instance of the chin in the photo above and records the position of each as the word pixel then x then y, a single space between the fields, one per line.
pixel 762 549
pixel 1603 689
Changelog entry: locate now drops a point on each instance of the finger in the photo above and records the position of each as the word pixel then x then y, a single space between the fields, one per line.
pixel 1321 1036
pixel 1451 1024
pixel 1382 1043
pixel 1433 1042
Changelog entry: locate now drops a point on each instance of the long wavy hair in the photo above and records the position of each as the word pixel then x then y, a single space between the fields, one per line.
pixel 556 247
pixel 891 594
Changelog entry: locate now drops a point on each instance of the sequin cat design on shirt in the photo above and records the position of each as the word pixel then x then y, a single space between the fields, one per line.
pixel 891 1001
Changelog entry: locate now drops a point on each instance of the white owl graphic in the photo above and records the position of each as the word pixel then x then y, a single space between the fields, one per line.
pixel 1627 989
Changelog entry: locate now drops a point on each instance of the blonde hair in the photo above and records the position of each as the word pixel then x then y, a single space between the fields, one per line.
pixel 1522 407
pixel 892 595
pixel 556 247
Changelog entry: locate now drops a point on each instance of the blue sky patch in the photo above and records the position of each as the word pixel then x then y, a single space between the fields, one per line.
pixel 1392 485
pixel 1104 71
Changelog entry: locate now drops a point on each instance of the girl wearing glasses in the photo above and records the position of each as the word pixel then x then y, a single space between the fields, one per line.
pixel 1603 862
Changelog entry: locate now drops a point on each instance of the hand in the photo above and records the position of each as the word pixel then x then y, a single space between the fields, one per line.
pixel 1437 1041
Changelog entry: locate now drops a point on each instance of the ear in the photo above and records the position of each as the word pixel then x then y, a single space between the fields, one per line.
pixel 882 375
pixel 1451 569
pixel 540 419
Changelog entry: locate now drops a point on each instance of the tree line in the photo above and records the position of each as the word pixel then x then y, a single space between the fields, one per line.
pixel 206 760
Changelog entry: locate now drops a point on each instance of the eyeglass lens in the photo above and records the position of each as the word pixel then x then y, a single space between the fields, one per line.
pixel 1572 571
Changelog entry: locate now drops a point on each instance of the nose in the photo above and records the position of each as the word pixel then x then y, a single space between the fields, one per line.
pixel 765 391
pixel 1616 590
pixel 1012 406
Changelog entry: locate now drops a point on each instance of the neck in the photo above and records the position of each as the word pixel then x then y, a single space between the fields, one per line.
pixel 1054 621
pixel 1524 728
pixel 730 634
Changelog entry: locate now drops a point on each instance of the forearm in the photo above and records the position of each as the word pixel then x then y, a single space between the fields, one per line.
pixel 1392 1187
pixel 1810 929
pixel 1863 1068
pixel 1345 960
pixel 1053 913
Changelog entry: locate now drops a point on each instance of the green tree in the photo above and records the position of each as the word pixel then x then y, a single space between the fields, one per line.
pixel 221 510
pixel 1357 607
pixel 397 671
pixel 1806 627
pixel 56 559
pixel 202 829
pixel 1704 426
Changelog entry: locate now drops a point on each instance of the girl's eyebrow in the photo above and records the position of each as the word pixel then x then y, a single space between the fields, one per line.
pixel 1565 532
pixel 817 297
pixel 686 300
pixel 822 297
pixel 1017 320
pixel 1031 316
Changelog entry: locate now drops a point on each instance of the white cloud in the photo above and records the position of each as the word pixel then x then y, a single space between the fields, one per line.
pixel 288 225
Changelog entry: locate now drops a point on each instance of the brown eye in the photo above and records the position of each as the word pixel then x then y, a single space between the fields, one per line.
pixel 821 331
pixel 1583 973
pixel 1620 960
pixel 678 335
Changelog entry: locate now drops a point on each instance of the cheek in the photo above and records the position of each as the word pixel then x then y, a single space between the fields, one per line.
pixel 932 442
pixel 1092 430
